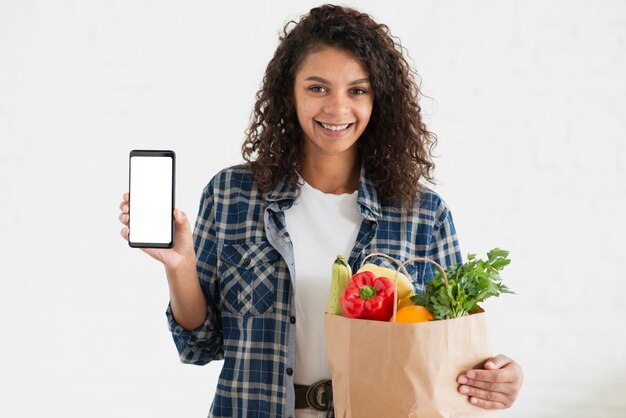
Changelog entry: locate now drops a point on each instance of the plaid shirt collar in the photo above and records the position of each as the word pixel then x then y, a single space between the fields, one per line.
pixel 283 196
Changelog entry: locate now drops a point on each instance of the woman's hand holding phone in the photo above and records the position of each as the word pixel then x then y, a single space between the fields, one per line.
pixel 182 252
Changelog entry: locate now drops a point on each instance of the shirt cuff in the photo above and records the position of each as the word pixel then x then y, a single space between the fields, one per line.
pixel 180 333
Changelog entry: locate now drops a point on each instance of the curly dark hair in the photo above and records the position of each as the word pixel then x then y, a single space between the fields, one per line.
pixel 395 147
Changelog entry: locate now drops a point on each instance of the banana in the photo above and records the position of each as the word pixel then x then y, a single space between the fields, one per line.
pixel 405 287
pixel 341 275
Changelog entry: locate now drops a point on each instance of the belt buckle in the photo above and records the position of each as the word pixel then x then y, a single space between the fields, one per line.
pixel 318 395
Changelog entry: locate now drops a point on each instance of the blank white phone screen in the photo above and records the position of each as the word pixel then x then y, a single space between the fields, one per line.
pixel 150 199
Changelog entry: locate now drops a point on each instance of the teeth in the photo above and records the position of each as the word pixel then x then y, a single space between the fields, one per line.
pixel 335 127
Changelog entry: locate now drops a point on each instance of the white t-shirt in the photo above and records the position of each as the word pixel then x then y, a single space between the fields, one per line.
pixel 321 226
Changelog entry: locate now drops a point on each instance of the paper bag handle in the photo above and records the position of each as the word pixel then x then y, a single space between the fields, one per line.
pixel 401 266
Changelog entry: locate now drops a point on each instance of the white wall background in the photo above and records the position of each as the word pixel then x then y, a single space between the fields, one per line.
pixel 528 101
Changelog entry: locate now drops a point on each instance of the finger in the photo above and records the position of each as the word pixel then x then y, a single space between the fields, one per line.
pixel 497 362
pixel 181 219
pixel 124 233
pixel 486 395
pixel 474 389
pixel 124 218
pixel 124 207
pixel 125 200
pixel 481 403
pixel 505 375
pixel 178 216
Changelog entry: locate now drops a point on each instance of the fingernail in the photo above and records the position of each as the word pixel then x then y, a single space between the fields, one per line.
pixel 490 364
pixel 471 375
pixel 474 401
pixel 464 389
pixel 462 379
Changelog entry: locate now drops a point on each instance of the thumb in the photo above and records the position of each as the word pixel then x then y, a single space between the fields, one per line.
pixel 181 218
pixel 497 362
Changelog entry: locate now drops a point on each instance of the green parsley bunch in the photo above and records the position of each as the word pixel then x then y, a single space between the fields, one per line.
pixel 468 284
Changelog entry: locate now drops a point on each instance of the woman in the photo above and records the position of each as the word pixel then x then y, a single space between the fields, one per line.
pixel 334 159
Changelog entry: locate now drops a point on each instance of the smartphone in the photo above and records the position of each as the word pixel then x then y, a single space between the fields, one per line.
pixel 151 187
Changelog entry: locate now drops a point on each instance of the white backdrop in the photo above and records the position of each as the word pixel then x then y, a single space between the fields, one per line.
pixel 528 100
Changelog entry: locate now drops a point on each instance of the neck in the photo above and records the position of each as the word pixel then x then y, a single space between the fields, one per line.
pixel 332 174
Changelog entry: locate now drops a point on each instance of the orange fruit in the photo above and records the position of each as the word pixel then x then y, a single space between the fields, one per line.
pixel 413 313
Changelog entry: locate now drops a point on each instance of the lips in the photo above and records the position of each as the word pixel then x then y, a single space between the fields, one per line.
pixel 335 129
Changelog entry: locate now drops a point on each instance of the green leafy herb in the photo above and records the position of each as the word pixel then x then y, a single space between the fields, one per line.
pixel 469 284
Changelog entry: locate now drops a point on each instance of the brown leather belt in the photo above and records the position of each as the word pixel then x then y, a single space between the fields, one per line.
pixel 315 396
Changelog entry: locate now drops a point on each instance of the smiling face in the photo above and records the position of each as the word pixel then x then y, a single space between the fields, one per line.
pixel 333 101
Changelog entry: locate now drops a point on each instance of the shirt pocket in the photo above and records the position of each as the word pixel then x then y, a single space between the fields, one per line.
pixel 248 277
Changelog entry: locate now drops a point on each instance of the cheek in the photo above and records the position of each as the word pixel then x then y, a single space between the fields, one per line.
pixel 300 106
pixel 365 112
pixel 303 110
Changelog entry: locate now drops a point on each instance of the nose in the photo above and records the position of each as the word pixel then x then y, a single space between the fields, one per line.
pixel 337 103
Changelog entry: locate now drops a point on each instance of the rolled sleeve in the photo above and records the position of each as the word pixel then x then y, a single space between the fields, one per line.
pixel 199 345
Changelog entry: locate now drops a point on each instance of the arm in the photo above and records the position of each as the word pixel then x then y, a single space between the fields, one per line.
pixel 444 246
pixel 186 298
pixel 193 313
pixel 193 323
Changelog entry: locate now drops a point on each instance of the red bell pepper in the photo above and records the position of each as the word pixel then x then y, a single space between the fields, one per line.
pixel 368 297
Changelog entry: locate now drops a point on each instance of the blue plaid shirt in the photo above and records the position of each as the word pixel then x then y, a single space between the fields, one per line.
pixel 246 270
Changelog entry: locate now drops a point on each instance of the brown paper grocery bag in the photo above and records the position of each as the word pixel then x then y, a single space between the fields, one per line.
pixel 388 370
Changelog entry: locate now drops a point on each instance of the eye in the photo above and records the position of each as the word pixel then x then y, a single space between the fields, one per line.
pixel 317 89
pixel 358 91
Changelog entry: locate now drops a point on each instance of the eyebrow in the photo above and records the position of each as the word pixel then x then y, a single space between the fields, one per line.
pixel 323 80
